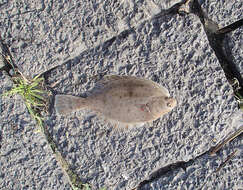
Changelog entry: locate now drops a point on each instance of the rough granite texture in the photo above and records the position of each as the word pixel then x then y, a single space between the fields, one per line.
pixel 43 34
pixel 26 160
pixel 223 12
pixel 234 47
pixel 90 39
pixel 182 62
pixel 201 173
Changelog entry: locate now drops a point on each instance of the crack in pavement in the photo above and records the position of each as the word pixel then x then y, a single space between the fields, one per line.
pixel 225 58
pixel 9 152
pixel 171 167
pixel 183 165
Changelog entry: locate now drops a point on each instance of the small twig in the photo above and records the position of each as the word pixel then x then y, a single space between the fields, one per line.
pixel 22 75
pixel 224 163
pixel 232 137
pixel 230 27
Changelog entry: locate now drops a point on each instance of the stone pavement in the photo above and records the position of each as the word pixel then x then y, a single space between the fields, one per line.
pixel 74 44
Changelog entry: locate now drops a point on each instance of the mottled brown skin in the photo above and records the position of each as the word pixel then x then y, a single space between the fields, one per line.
pixel 127 100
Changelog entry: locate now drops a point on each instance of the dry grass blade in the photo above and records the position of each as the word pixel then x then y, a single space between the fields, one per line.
pixel 239 98
pixel 224 163
pixel 232 137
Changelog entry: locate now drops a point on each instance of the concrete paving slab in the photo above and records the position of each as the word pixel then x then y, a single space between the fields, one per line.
pixel 172 51
pixel 222 12
pixel 225 13
pixel 43 34
pixel 234 47
pixel 201 172
pixel 26 160
pixel 89 40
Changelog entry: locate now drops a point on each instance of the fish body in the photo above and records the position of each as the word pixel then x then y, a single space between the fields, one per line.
pixel 125 99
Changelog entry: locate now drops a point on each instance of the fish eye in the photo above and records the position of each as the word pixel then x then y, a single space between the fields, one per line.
pixel 169 104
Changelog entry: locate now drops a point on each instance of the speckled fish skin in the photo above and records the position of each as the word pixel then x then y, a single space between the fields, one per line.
pixel 125 99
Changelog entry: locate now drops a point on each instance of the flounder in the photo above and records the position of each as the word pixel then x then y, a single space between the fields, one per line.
pixel 125 99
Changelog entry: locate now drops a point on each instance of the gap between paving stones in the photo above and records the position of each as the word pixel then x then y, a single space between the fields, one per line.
pixel 184 165
pixel 163 171
pixel 65 29
pixel 216 38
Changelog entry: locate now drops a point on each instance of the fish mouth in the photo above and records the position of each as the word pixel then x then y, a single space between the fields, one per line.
pixel 171 102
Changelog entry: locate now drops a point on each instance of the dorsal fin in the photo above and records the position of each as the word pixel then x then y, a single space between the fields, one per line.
pixel 111 80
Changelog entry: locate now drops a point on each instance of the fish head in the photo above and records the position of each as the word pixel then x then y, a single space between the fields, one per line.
pixel 170 102
pixel 161 105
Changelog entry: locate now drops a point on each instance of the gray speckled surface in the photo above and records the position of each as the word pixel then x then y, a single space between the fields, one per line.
pixel 89 40
pixel 26 161
pixel 234 47
pixel 223 12
pixel 43 34
pixel 200 173
pixel 184 64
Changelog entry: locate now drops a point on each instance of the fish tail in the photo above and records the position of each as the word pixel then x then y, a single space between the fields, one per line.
pixel 65 104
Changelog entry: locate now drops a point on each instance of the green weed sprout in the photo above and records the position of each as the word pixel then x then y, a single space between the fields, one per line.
pixel 33 94
pixel 237 92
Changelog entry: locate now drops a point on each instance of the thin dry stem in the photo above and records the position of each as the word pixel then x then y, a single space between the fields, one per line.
pixel 224 163
pixel 230 138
